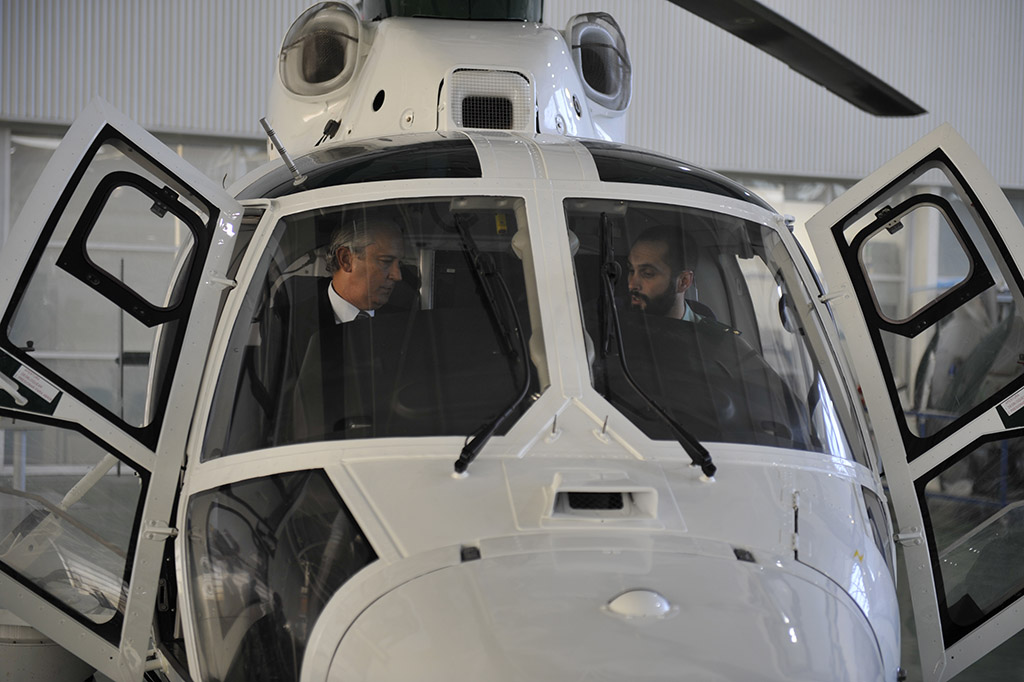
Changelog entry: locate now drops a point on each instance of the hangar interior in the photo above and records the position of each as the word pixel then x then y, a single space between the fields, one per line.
pixel 200 83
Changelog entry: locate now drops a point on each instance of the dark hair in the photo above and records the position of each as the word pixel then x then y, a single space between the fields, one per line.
pixel 677 255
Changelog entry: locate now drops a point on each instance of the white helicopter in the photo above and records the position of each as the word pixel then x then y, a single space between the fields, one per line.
pixel 516 469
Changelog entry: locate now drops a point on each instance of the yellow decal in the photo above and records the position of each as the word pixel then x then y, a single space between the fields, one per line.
pixel 858 556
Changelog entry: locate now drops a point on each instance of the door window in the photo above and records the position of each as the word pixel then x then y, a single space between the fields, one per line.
pixel 975 503
pixel 112 280
pixel 68 506
pixel 945 304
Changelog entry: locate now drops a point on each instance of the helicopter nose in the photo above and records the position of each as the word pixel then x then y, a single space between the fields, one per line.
pixel 593 615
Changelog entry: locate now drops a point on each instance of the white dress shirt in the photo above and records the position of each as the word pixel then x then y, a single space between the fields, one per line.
pixel 343 310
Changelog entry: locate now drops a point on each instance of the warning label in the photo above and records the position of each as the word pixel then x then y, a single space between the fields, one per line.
pixel 37 384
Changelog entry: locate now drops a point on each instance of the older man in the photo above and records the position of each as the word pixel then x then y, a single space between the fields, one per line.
pixel 365 263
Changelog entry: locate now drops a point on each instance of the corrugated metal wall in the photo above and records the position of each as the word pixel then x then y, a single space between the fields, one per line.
pixel 203 67
pixel 181 66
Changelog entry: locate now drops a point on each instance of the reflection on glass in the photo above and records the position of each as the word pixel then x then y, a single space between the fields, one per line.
pixel 441 354
pixel 976 511
pixel 67 508
pixel 705 311
pixel 264 557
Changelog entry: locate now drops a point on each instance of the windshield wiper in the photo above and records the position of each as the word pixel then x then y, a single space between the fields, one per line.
pixel 609 323
pixel 484 271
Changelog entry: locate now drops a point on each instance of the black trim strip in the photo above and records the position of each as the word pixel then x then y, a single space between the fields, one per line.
pixel 75 260
pixel 978 279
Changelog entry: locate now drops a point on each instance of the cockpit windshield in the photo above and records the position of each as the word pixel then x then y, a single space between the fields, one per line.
pixel 395 318
pixel 699 327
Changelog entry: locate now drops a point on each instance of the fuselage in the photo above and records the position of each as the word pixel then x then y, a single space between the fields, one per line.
pixel 326 531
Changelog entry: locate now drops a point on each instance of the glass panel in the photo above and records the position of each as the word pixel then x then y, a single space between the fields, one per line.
pixel 67 509
pixel 83 336
pixel 439 356
pixel 139 247
pixel 516 10
pixel 619 163
pixel 883 257
pixel 264 557
pixel 374 161
pixel 947 301
pixel 976 512
pixel 704 308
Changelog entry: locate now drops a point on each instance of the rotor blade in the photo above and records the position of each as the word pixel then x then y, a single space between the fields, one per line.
pixel 784 40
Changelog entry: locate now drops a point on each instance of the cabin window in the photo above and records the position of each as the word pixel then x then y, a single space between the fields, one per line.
pixel 444 353
pixel 701 316
pixel 264 558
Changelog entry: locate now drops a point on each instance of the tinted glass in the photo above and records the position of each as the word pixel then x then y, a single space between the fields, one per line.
pixel 616 163
pixel 708 327
pixel 442 354
pixel 376 161
pixel 264 557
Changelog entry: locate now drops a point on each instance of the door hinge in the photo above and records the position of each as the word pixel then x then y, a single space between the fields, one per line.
pixel 158 530
pixel 840 293
pixel 912 536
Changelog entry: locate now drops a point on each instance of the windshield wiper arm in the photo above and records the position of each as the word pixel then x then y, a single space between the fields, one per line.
pixel 609 316
pixel 484 270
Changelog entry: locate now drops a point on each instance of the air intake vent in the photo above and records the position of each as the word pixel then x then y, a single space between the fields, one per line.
pixel 595 500
pixel 491 100
pixel 627 505
pixel 487 112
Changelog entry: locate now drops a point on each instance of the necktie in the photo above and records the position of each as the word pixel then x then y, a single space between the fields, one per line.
pixel 362 315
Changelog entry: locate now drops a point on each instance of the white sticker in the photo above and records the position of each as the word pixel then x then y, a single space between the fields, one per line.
pixel 1013 403
pixel 37 384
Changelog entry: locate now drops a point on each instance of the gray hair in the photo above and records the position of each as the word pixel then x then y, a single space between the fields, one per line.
pixel 356 236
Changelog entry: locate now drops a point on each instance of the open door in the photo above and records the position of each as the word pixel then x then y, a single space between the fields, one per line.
pixel 109 289
pixel 920 265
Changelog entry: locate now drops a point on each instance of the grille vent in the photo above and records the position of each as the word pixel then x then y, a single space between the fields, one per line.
pixel 600 500
pixel 493 100
pixel 607 505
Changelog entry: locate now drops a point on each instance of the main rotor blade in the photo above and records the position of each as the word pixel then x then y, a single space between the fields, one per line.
pixel 784 40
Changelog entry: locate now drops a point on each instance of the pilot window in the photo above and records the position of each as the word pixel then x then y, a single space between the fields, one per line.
pixel 690 317
pixel 397 318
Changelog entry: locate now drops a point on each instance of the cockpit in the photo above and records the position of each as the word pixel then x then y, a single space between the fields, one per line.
pixel 457 348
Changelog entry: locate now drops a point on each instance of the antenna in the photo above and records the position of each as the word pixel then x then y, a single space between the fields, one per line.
pixel 299 177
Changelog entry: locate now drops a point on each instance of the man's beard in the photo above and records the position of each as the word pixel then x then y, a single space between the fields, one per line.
pixel 655 305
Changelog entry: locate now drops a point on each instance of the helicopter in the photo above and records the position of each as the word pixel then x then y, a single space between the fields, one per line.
pixel 513 470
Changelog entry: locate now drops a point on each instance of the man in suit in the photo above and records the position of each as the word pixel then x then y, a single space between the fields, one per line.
pixel 365 265
pixel 341 362
pixel 659 274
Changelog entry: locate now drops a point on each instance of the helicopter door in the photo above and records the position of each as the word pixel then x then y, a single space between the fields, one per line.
pixel 922 281
pixel 110 284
